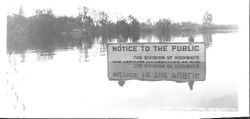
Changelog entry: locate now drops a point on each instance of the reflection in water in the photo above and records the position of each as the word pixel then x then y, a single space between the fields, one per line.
pixel 207 37
pixel 191 84
pixel 163 37
pixel 23 57
pixel 191 38
pixel 83 48
pixel 45 55
pixel 177 72
pixel 73 59
pixel 121 83
pixel 47 47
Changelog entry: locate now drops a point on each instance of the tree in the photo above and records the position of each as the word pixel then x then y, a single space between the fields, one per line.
pixel 163 26
pixel 122 28
pixel 17 25
pixel 207 18
pixel 20 13
pixel 134 27
pixel 103 18
pixel 83 12
pixel 134 24
pixel 85 21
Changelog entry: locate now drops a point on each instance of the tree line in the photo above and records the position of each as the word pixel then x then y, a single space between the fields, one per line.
pixel 46 28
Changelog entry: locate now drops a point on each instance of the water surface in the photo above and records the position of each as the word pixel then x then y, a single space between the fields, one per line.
pixel 72 76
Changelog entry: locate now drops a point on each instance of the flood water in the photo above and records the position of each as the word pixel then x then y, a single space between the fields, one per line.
pixel 73 79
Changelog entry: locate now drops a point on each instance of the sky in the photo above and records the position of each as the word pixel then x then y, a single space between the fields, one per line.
pixel 223 11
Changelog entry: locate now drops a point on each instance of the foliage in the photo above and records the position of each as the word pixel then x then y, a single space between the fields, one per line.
pixel 207 18
pixel 45 29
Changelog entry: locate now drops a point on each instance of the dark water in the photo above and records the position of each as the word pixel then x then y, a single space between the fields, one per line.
pixel 73 73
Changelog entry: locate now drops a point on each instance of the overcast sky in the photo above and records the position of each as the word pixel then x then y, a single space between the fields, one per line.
pixel 223 11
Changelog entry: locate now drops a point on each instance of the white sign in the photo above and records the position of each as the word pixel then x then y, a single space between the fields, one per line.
pixel 156 52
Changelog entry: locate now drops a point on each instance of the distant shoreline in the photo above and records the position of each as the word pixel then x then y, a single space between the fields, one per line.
pixel 44 30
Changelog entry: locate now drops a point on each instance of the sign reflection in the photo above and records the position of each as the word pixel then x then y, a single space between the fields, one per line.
pixel 177 72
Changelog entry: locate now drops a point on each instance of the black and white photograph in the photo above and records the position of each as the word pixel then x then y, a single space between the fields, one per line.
pixel 138 59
